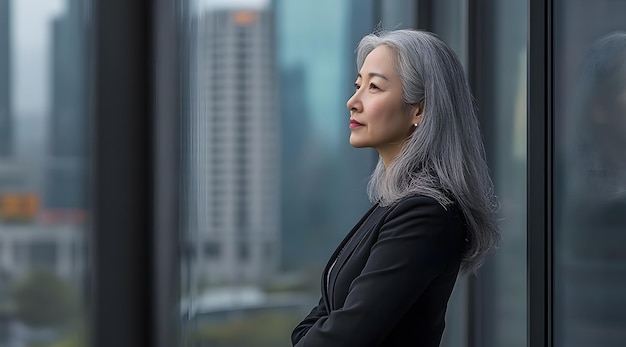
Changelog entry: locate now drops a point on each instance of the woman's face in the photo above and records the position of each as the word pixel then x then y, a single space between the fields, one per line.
pixel 379 118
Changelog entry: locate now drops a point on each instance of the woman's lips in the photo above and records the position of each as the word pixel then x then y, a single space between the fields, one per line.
pixel 354 124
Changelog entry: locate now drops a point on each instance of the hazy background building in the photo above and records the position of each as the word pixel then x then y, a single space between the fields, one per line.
pixel 43 196
pixel 316 47
pixel 6 121
pixel 233 174
pixel 65 184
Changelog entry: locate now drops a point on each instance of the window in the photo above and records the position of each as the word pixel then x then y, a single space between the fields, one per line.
pixel 44 161
pixel 490 39
pixel 282 186
pixel 498 70
pixel 590 175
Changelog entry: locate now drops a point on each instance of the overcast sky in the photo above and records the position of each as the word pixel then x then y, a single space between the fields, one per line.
pixel 234 3
pixel 30 36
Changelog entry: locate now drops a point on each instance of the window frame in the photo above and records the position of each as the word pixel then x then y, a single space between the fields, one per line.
pixel 540 256
pixel 133 245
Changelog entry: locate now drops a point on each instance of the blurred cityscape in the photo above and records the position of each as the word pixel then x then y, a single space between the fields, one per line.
pixel 257 211
pixel 43 185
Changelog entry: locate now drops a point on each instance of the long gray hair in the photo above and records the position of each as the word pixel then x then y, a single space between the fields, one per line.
pixel 444 157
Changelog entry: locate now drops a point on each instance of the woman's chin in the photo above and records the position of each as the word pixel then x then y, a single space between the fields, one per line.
pixel 356 143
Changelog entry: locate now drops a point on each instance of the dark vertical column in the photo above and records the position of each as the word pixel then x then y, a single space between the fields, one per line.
pixel 481 59
pixel 425 14
pixel 122 172
pixel 540 149
pixel 166 168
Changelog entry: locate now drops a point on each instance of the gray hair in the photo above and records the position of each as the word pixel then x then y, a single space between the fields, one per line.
pixel 444 157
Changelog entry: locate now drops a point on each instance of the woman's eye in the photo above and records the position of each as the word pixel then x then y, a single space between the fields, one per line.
pixel 373 86
pixel 357 86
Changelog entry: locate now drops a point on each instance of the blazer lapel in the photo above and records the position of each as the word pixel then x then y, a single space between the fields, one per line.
pixel 340 255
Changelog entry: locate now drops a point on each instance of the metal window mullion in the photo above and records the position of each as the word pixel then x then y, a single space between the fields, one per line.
pixel 425 14
pixel 540 160
pixel 121 243
pixel 166 165
pixel 481 311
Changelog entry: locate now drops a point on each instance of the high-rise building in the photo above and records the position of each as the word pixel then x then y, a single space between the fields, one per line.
pixel 233 168
pixel 317 74
pixel 6 121
pixel 67 150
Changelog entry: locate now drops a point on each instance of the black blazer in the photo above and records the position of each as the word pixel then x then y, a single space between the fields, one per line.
pixel 389 281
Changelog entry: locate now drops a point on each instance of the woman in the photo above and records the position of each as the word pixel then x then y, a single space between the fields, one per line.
pixel 389 281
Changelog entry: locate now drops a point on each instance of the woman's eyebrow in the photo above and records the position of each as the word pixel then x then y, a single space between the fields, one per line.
pixel 374 74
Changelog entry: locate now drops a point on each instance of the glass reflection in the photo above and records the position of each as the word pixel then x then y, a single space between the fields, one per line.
pixel 505 111
pixel 43 172
pixel 593 268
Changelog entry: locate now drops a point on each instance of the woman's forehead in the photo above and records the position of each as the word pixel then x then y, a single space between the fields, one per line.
pixel 380 61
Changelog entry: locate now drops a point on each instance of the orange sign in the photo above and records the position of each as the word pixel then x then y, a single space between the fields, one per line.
pixel 19 206
pixel 245 17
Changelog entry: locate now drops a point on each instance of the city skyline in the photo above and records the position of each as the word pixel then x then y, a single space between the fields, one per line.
pixel 45 175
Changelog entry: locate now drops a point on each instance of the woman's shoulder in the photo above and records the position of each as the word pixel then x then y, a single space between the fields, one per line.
pixel 423 206
pixel 421 201
pixel 421 216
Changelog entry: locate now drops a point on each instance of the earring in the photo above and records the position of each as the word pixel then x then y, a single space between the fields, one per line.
pixel 415 125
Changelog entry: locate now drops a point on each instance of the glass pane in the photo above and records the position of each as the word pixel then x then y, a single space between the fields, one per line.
pixel 44 161
pixel 449 22
pixel 499 291
pixel 271 184
pixel 503 111
pixel 590 173
pixel 397 14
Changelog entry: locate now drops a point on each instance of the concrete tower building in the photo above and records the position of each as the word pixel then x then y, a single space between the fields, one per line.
pixel 233 168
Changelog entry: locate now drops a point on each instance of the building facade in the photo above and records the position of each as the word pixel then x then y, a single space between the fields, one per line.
pixel 65 186
pixel 233 191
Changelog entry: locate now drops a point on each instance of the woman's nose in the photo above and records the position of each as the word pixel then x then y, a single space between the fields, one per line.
pixel 354 103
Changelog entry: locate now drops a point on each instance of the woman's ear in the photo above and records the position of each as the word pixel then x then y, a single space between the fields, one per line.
pixel 418 112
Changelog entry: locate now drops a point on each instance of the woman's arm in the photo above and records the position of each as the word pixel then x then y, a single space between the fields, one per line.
pixel 417 241
pixel 316 313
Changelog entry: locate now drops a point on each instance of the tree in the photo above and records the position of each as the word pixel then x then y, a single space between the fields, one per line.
pixel 44 300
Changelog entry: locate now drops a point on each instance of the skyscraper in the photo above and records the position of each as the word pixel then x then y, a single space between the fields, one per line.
pixel 233 170
pixel 67 148
pixel 6 121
